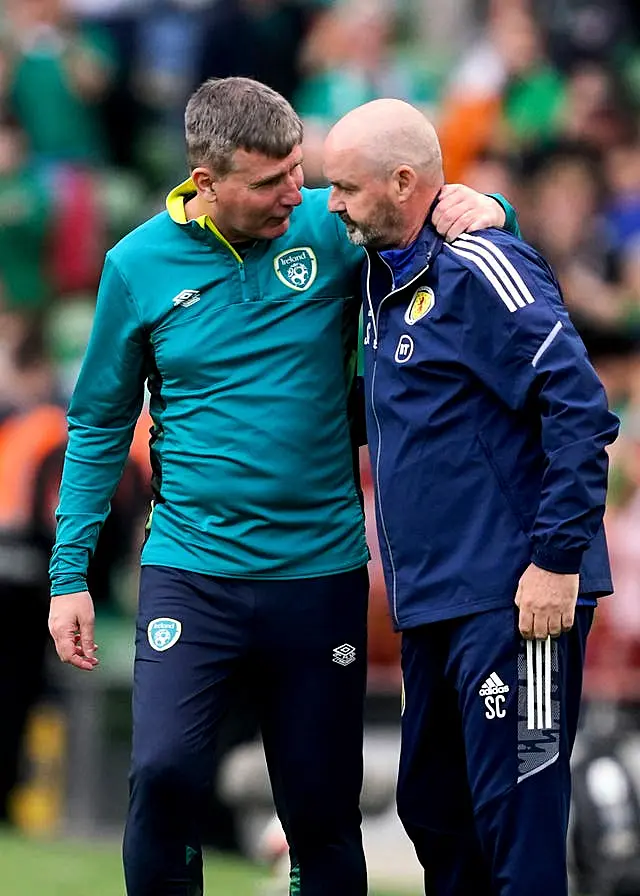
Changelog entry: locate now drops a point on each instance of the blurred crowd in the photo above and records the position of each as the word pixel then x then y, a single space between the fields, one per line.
pixel 91 100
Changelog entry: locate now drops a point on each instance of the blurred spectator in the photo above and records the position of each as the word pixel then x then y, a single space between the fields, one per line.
pixel 29 430
pixel 562 191
pixel 184 42
pixel 598 108
pixel 118 21
pixel 351 57
pixel 25 219
pixel 588 30
pixel 506 94
pixel 495 172
pixel 58 75
pixel 622 217
pixel 622 211
pixel 614 658
pixel 623 524
pixel 33 435
pixel 534 91
pixel 616 354
pixel 166 68
pixel 257 38
pixel 79 233
pixel 27 378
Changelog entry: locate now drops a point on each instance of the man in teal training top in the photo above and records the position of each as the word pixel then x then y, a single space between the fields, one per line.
pixel 238 308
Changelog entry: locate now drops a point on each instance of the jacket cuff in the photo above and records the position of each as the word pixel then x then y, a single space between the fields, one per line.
pixel 511 218
pixel 565 562
pixel 69 586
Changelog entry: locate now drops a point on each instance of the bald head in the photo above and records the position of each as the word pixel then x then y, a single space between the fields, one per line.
pixel 384 164
pixel 389 133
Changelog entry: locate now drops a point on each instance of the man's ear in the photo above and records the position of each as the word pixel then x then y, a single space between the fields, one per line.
pixel 204 183
pixel 405 180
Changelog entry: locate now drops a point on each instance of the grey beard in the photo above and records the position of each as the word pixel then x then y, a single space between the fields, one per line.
pixel 368 238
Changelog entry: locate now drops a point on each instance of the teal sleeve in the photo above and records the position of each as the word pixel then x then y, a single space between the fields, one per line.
pixel 102 415
pixel 511 219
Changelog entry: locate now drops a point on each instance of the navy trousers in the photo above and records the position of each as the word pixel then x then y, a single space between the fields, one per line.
pixel 301 644
pixel 488 727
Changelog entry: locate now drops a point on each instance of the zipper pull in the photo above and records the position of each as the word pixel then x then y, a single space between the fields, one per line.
pixel 242 273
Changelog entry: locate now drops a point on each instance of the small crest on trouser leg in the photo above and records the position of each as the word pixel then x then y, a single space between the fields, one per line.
pixel 163 633
pixel 344 655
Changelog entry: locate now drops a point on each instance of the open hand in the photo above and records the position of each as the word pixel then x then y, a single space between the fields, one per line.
pixel 462 210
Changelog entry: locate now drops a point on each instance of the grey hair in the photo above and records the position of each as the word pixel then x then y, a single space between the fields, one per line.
pixel 226 114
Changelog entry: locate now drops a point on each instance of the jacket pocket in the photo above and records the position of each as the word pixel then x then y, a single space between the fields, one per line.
pixel 502 484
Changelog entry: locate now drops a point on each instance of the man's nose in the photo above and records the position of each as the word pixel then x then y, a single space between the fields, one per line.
pixel 335 204
pixel 292 195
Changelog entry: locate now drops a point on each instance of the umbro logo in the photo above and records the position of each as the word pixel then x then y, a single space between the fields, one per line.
pixel 493 685
pixel 344 655
pixel 186 297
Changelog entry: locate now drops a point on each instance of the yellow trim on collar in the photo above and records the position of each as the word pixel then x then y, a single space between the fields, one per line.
pixel 177 213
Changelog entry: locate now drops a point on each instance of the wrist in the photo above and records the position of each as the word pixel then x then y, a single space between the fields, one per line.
pixel 75 586
pixel 500 200
pixel 563 562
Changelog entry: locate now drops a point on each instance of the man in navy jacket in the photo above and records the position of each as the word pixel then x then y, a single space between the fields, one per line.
pixel 487 430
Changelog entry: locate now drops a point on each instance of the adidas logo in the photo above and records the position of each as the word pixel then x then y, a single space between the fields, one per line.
pixel 186 297
pixel 493 685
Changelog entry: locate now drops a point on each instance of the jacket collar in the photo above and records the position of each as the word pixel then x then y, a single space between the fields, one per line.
pixel 199 227
pixel 427 245
pixel 176 205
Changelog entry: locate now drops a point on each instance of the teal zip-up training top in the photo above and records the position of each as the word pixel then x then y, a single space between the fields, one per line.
pixel 249 360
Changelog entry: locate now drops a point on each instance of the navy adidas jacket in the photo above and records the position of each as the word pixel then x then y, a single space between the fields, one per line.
pixel 487 428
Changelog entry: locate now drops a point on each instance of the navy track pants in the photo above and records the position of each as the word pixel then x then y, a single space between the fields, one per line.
pixel 488 727
pixel 301 646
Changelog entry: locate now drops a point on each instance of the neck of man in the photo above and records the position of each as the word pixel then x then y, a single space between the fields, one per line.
pixel 197 207
pixel 410 233
pixel 416 215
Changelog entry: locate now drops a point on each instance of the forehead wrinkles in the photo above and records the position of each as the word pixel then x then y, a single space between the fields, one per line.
pixel 356 171
pixel 255 167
